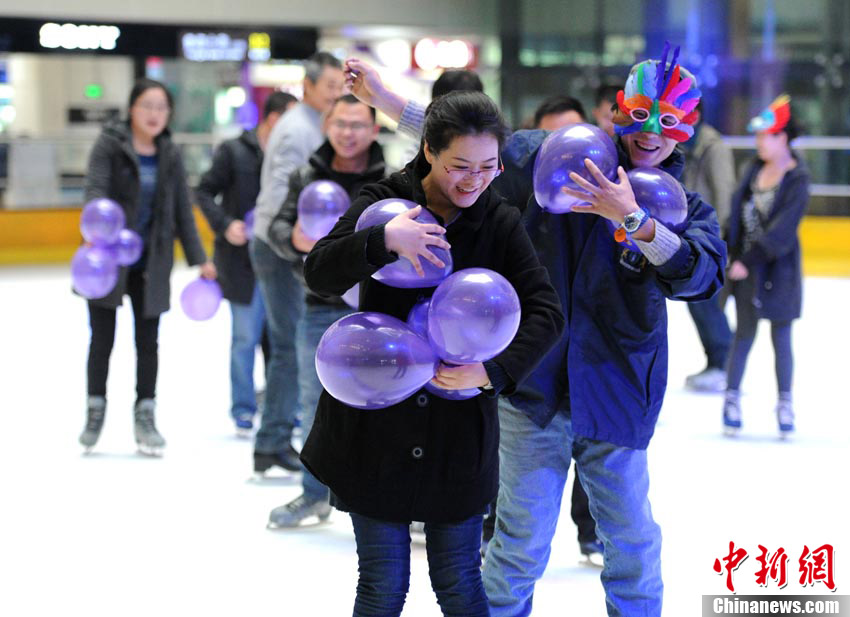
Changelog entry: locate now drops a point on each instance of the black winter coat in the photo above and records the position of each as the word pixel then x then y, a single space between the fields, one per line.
pixel 426 458
pixel 235 175
pixel 774 260
pixel 113 172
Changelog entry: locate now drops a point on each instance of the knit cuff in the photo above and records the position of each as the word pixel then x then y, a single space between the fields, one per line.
pixel 377 254
pixel 663 246
pixel 499 378
pixel 412 120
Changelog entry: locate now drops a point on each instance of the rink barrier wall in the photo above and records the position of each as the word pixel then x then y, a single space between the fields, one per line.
pixel 52 236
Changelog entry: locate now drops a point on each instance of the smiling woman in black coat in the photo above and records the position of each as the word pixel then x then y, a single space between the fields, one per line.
pixel 426 458
pixel 136 164
pixel 764 256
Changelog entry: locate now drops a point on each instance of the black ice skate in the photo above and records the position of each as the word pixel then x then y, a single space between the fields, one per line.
pixel 148 439
pixel 95 413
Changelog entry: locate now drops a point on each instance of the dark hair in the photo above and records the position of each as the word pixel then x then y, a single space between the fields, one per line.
pixel 142 84
pixel 462 113
pixel 278 102
pixel 558 105
pixel 315 65
pixel 792 129
pixel 454 80
pixel 350 99
pixel 607 92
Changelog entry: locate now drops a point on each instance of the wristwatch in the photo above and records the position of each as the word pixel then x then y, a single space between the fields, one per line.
pixel 634 220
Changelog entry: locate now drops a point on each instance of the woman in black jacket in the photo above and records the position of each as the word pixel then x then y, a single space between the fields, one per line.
pixel 764 253
pixel 136 164
pixel 426 458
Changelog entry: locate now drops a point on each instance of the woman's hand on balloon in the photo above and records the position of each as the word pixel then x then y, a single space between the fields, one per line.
pixel 301 241
pixel 409 239
pixel 612 200
pixel 461 377
pixel 208 271
pixel 235 233
pixel 738 271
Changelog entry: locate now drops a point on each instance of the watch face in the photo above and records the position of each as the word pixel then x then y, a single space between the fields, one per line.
pixel 632 221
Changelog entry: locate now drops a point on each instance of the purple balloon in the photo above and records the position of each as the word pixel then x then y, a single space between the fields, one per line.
pixel 94 272
pixel 320 205
pixel 401 273
pixel 662 195
pixel 249 224
pixel 372 361
pixel 101 221
pixel 128 247
pixel 352 296
pixel 564 151
pixel 474 315
pixel 200 299
pixel 417 319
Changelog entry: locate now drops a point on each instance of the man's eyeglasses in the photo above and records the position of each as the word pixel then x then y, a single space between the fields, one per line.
pixel 151 107
pixel 667 120
pixel 354 126
pixel 458 173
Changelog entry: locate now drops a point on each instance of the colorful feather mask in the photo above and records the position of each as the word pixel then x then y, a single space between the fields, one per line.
pixel 659 98
pixel 774 118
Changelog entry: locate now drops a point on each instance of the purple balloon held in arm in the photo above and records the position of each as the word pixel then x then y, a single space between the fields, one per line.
pixel 128 247
pixel 249 224
pixel 417 319
pixel 661 195
pixel 200 299
pixel 474 316
pixel 94 272
pixel 401 273
pixel 101 221
pixel 564 151
pixel 320 204
pixel 372 361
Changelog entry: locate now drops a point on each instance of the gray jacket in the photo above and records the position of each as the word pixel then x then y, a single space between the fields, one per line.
pixel 710 171
pixel 113 172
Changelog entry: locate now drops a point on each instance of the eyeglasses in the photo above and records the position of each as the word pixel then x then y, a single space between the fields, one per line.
pixel 162 109
pixel 354 126
pixel 667 120
pixel 459 173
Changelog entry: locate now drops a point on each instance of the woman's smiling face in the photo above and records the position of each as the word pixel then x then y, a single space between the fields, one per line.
pixel 464 169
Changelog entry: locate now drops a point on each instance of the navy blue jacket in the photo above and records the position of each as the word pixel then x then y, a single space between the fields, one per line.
pixel 774 259
pixel 609 368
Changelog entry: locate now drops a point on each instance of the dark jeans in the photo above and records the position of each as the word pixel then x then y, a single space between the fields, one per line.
pixel 745 334
pixel 102 322
pixel 713 329
pixel 454 565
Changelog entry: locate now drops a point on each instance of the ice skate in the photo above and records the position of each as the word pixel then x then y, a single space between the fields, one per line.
pixel 95 413
pixel 148 439
pixel 710 380
pixel 785 418
pixel 286 460
pixel 300 511
pixel 244 426
pixel 732 413
pixel 592 553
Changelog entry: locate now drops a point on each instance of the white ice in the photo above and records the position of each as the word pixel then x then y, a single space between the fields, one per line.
pixel 115 533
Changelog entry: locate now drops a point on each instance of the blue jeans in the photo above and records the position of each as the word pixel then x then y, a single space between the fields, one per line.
pixel 247 331
pixel 454 565
pixel 532 474
pixel 713 329
pixel 283 297
pixel 316 320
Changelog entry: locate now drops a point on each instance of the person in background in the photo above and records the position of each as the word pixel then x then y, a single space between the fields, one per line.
pixel 558 111
pixel 136 164
pixel 352 158
pixel 603 112
pixel 235 177
pixel 764 248
pixel 293 139
pixel 710 171
pixel 453 80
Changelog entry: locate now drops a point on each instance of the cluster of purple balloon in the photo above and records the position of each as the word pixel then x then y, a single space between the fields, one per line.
pixel 94 267
pixel 371 360
pixel 401 272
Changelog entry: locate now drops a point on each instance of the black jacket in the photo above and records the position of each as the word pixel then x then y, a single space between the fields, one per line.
pixel 113 172
pixel 235 175
pixel 367 457
pixel 774 259
pixel 318 168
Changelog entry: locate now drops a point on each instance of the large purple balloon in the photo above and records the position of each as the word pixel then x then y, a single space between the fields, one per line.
pixel 564 151
pixel 128 247
pixel 200 299
pixel 249 224
pixel 417 319
pixel 401 273
pixel 320 205
pixel 474 315
pixel 662 195
pixel 94 272
pixel 101 221
pixel 372 361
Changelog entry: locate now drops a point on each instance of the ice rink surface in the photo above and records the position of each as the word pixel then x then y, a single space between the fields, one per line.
pixel 118 534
